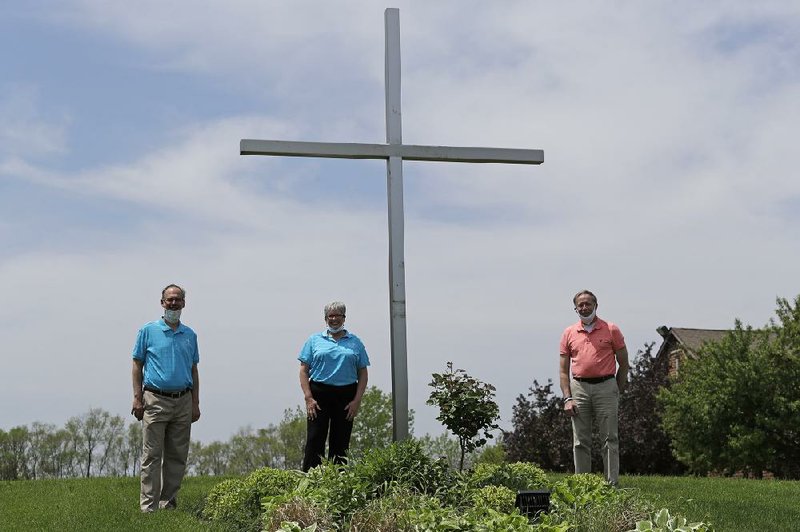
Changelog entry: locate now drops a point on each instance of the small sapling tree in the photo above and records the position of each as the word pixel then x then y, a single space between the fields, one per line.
pixel 466 407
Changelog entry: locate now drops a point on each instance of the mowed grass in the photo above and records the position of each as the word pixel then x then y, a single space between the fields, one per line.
pixel 730 504
pixel 112 503
pixel 102 504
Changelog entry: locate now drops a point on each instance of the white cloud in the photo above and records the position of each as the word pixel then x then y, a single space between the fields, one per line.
pixel 24 127
pixel 664 189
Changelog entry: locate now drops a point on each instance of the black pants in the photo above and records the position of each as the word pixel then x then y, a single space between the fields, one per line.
pixel 331 400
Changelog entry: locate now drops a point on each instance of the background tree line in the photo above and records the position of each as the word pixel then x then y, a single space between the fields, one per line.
pixel 733 409
pixel 100 444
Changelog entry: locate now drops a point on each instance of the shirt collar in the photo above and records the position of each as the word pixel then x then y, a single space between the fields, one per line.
pixel 165 326
pixel 326 335
pixel 598 324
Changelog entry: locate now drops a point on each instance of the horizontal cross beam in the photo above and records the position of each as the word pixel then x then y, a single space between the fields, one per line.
pixel 351 150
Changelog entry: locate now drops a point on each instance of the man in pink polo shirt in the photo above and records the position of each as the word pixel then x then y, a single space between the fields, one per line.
pixel 594 350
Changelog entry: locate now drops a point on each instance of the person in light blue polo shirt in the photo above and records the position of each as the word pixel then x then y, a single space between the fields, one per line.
pixel 333 377
pixel 166 398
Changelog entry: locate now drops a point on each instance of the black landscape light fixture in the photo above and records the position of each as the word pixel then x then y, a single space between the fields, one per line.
pixel 533 503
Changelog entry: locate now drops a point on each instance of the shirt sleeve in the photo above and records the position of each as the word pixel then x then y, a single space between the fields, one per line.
pixel 563 348
pixel 196 356
pixel 363 358
pixel 307 352
pixel 617 340
pixel 140 347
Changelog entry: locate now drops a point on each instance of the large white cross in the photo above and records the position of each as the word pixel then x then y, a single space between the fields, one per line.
pixel 394 151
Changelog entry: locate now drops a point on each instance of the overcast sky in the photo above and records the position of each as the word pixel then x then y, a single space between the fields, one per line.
pixel 669 187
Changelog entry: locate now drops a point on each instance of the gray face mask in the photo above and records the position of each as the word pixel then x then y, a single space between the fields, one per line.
pixel 336 330
pixel 172 316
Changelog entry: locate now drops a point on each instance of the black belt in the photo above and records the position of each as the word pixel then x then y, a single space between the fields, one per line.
pixel 173 395
pixel 593 380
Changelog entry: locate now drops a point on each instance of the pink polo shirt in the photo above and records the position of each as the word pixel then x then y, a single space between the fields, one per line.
pixel 592 354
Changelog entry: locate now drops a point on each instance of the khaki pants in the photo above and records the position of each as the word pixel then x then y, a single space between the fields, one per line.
pixel 166 429
pixel 598 402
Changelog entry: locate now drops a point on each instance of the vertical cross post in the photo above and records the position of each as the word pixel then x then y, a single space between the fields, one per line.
pixel 394 192
pixel 393 152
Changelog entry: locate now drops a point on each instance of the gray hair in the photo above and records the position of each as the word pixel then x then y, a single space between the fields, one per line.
pixel 334 306
pixel 164 291
pixel 584 293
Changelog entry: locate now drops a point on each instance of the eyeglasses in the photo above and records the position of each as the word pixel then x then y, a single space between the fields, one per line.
pixel 335 316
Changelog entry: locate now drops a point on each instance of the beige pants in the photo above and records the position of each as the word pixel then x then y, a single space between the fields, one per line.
pixel 599 402
pixel 166 429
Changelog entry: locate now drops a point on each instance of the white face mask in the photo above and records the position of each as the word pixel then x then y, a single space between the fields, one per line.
pixel 172 316
pixel 336 330
pixel 586 320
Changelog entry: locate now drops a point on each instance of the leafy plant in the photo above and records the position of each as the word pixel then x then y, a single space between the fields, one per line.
pixel 498 498
pixel 587 502
pixel 237 502
pixel 664 522
pixel 466 407
pixel 517 476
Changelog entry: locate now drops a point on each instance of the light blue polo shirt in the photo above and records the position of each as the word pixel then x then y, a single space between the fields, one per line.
pixel 168 355
pixel 334 362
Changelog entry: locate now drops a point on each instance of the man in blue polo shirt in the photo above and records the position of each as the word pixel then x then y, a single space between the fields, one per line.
pixel 166 398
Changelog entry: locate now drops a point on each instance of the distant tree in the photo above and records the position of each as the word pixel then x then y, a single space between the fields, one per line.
pixel 736 406
pixel 112 441
pixel 445 447
pixel 492 454
pixel 14 448
pixel 373 425
pixel 38 436
pixel 59 455
pixel 542 433
pixel 466 408
pixel 645 449
pixel 95 435
pixel 130 452
pixel 291 433
pixel 211 459
pixel 252 449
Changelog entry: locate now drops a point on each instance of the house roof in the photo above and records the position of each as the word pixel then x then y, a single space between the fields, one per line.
pixel 689 339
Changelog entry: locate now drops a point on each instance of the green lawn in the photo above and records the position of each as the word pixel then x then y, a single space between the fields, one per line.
pixel 107 504
pixel 112 503
pixel 730 504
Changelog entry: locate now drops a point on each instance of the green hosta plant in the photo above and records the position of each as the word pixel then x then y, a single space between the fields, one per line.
pixel 291 526
pixel 663 522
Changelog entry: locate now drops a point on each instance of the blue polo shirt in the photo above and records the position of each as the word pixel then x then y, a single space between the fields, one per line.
pixel 168 355
pixel 334 362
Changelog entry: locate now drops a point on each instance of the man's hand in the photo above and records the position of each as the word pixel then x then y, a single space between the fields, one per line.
pixel 195 412
pixel 570 408
pixel 138 408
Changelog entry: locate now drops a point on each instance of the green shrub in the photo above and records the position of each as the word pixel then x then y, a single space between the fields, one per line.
pixel 498 498
pixel 237 502
pixel 404 464
pixel 587 502
pixel 336 488
pixel 517 476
